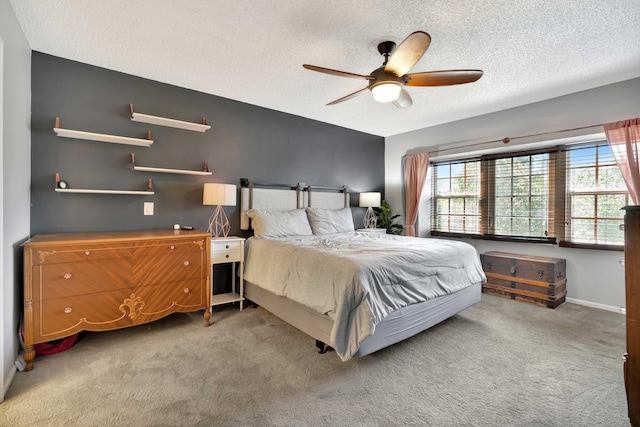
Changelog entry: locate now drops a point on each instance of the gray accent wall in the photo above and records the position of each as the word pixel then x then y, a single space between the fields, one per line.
pixel 245 141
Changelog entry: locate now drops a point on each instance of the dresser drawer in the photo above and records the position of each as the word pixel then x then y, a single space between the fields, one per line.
pixel 169 268
pixel 62 317
pixel 153 248
pixel 102 311
pixel 185 296
pixel 226 251
pixel 54 255
pixel 79 278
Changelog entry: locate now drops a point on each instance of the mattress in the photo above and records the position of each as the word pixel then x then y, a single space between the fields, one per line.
pixel 359 279
pixel 399 325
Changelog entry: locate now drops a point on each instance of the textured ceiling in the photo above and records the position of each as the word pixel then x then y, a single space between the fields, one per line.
pixel 252 51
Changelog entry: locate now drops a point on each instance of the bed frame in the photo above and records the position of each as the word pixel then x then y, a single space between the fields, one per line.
pixel 397 326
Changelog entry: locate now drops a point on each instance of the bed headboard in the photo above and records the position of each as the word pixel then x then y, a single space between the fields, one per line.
pixel 283 197
pixel 326 197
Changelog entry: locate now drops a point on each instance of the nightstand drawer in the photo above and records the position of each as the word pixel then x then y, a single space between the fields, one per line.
pixel 226 251
pixel 227 256
pixel 226 246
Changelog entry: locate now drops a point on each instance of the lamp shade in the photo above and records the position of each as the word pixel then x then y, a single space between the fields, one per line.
pixel 370 200
pixel 219 194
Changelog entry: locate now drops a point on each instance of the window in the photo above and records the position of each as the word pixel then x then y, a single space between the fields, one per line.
pixel 457 197
pixel 518 195
pixel 596 192
pixel 571 194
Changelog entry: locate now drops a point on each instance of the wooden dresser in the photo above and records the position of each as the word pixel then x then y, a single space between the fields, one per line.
pixel 632 294
pixel 104 281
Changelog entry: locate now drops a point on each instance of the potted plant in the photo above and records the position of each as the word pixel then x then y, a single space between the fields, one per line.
pixel 387 220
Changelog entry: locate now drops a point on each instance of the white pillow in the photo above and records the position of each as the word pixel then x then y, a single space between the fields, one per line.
pixel 268 223
pixel 326 221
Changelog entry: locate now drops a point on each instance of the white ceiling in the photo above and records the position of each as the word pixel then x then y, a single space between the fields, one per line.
pixel 252 51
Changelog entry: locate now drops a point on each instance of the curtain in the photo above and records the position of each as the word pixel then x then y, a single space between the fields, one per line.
pixel 624 138
pixel 415 174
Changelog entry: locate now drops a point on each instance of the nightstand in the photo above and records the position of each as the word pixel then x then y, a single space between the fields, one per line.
pixel 228 250
pixel 373 230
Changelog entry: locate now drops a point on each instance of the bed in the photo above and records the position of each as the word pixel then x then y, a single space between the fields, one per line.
pixel 356 292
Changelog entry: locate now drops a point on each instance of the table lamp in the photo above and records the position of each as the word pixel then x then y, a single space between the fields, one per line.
pixel 370 201
pixel 219 195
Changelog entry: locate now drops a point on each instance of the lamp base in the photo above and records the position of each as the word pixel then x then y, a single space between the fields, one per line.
pixel 370 218
pixel 219 223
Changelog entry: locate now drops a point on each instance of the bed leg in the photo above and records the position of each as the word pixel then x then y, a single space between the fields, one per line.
pixel 323 347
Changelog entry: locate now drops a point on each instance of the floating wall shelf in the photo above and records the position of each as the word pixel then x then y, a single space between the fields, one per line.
pixel 203 172
pixel 114 139
pixel 155 120
pixel 92 191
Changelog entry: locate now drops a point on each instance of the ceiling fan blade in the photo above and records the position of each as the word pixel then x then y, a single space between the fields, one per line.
pixel 336 72
pixel 408 53
pixel 443 78
pixel 351 95
pixel 404 100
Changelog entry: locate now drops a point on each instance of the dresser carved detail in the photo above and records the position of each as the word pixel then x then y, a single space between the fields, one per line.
pixel 105 281
pixel 134 304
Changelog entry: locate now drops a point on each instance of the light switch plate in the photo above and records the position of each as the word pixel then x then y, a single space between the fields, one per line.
pixel 148 208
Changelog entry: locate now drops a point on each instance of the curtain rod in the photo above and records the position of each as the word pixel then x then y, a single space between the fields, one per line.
pixel 506 140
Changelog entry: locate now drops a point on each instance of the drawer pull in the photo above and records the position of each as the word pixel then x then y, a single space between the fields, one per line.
pixel 67 275
pixel 173 247
pixel 186 263
pixel 226 246
pixel 87 253
pixel 226 256
pixel 67 310
pixel 186 290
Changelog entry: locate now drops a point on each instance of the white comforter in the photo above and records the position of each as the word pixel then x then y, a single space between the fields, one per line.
pixel 359 278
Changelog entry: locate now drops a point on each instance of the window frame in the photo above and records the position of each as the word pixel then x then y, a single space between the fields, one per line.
pixel 464 196
pixel 558 198
pixel 566 242
pixel 490 195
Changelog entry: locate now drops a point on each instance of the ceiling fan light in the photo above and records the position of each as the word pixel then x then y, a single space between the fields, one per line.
pixel 386 92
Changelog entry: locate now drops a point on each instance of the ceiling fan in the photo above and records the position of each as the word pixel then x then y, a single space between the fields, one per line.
pixel 386 83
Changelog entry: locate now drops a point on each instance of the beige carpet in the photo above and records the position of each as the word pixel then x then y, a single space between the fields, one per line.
pixel 499 363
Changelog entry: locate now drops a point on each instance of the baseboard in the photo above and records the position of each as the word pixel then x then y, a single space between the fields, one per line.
pixel 596 305
pixel 7 383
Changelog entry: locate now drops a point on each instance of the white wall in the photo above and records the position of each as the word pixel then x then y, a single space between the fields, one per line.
pixel 594 277
pixel 15 181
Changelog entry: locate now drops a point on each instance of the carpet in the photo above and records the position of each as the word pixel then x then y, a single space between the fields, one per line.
pixel 498 363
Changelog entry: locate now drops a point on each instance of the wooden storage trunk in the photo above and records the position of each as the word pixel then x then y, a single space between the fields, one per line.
pixel 533 279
